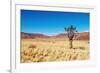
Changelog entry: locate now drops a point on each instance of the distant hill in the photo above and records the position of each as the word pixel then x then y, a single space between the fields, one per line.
pixel 32 35
pixel 61 35
pixel 81 36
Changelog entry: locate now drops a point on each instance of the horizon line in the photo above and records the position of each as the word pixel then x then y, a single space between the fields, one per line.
pixel 49 34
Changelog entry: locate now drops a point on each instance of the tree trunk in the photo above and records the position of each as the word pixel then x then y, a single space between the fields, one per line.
pixel 70 44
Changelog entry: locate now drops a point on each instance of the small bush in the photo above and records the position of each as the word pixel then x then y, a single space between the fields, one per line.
pixel 83 48
pixel 32 46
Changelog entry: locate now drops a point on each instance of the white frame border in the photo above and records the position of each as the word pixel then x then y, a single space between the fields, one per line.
pixel 14 31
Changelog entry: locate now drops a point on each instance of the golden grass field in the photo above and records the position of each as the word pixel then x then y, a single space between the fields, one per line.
pixel 53 49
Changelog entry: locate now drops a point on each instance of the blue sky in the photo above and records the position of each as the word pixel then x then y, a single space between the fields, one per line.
pixel 52 22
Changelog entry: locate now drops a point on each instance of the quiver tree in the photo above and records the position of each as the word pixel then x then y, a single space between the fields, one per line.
pixel 71 33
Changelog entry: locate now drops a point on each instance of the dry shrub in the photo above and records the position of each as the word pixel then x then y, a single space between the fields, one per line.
pixel 32 46
pixel 83 48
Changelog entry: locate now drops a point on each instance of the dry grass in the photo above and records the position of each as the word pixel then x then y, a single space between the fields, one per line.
pixel 53 49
